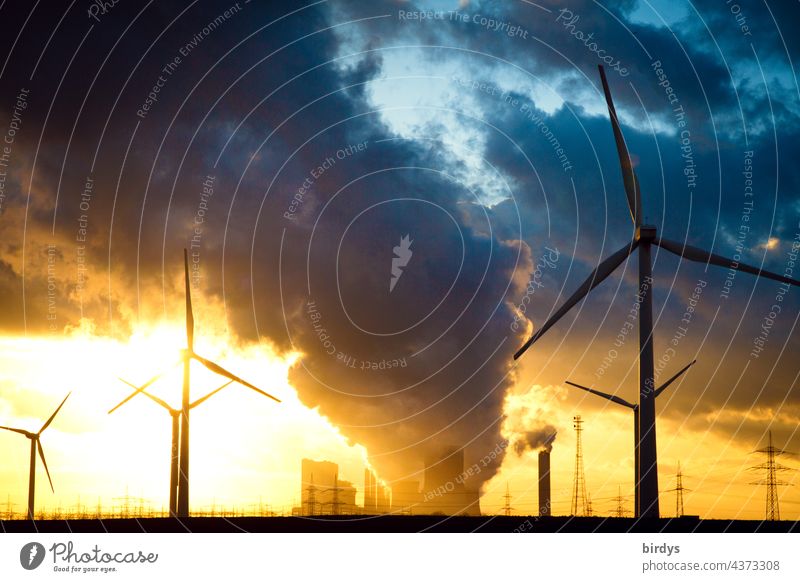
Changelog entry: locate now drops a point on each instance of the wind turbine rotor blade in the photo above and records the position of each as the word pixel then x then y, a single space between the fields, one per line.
pixel 44 462
pixel 189 313
pixel 217 369
pixel 19 430
pixel 121 403
pixel 597 276
pixel 156 399
pixel 666 384
pixel 52 416
pixel 629 178
pixel 700 256
pixel 152 397
pixel 199 401
pixel 137 389
pixel 610 397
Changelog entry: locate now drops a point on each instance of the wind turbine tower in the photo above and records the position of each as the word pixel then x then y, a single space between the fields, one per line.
pixel 187 355
pixel 635 408
pixel 186 403
pixel 175 413
pixel 644 238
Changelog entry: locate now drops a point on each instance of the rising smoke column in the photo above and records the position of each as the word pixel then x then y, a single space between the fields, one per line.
pixel 402 370
pixel 535 440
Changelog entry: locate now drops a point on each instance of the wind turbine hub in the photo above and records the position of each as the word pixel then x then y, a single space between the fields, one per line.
pixel 646 233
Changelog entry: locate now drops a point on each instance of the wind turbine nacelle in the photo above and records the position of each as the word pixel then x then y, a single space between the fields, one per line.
pixel 646 233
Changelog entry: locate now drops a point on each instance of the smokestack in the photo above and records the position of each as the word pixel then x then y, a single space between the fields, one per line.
pixel 544 483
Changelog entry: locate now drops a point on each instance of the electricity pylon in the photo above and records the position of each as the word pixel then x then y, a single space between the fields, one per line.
pixel 507 505
pixel 773 511
pixel 579 505
pixel 620 509
pixel 679 489
pixel 312 497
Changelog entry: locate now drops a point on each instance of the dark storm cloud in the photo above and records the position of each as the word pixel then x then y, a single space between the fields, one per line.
pixel 430 363
pixel 714 71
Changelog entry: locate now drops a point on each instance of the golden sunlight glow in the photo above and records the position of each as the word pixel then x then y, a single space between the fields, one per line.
pixel 715 468
pixel 246 449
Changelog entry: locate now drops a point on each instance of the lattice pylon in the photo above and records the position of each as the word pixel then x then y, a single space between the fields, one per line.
pixel 772 510
pixel 579 498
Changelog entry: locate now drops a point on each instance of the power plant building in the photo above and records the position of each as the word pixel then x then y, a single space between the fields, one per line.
pixel 445 491
pixel 407 499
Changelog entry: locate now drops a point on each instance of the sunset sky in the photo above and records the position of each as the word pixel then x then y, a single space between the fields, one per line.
pixel 291 147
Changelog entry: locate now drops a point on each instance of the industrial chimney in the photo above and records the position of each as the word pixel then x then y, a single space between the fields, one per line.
pixel 544 483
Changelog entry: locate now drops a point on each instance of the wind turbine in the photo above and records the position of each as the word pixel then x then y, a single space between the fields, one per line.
pixel 635 407
pixel 175 414
pixel 645 237
pixel 36 444
pixel 187 356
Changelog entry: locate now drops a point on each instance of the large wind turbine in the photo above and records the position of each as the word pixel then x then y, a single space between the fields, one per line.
pixel 635 407
pixel 36 444
pixel 644 238
pixel 187 356
pixel 175 414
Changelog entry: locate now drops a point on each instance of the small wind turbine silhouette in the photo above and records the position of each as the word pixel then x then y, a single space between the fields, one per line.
pixel 187 356
pixel 635 407
pixel 645 236
pixel 175 414
pixel 36 444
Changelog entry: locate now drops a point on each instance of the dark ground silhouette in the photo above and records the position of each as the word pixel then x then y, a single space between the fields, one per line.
pixel 400 524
